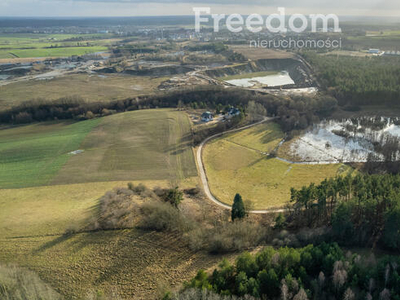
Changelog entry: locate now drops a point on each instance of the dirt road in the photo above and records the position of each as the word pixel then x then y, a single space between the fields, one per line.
pixel 203 176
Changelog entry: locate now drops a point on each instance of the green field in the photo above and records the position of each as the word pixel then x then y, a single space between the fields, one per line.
pixel 62 45
pixel 235 165
pixel 32 155
pixel 91 88
pixel 140 145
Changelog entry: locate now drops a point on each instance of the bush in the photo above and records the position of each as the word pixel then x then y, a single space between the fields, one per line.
pixel 117 210
pixel 163 217
pixel 174 196
pixel 236 236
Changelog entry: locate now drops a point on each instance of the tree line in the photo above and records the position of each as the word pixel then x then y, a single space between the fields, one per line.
pixel 362 210
pixel 313 272
pixel 358 80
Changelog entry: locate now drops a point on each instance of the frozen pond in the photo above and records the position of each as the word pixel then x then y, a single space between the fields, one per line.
pixel 353 140
pixel 283 78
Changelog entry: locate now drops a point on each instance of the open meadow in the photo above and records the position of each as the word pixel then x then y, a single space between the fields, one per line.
pixel 234 164
pixel 46 192
pixel 140 145
pixel 92 88
pixel 133 263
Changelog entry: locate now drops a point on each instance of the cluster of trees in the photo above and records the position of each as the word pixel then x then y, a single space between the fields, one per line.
pixel 313 272
pixel 362 209
pixel 358 80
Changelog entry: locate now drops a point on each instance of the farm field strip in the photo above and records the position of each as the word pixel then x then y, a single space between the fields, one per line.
pixel 39 45
pixel 139 145
pixel 31 155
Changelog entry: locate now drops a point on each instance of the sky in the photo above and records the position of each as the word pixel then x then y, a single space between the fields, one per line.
pixel 82 8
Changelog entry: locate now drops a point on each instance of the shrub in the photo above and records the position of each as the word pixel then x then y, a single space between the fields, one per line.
pixel 163 217
pixel 174 196
pixel 116 210
pixel 235 236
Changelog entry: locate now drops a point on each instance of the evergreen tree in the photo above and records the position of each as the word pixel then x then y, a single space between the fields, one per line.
pixel 238 210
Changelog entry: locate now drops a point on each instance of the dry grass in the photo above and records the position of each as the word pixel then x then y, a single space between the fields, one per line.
pixel 50 210
pixel 21 284
pixel 264 137
pixel 260 53
pixel 134 263
pixel 91 88
pixel 139 145
pixel 233 168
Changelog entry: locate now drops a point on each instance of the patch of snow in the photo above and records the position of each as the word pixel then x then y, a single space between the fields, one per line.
pixel 344 141
pixel 76 152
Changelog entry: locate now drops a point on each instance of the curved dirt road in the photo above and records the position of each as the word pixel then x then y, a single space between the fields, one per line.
pixel 203 175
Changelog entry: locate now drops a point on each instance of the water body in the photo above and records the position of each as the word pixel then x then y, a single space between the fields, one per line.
pixel 283 78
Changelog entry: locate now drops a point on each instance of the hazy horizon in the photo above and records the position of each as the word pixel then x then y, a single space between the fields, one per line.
pixel 133 8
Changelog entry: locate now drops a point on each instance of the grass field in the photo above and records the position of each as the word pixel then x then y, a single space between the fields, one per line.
pixel 140 145
pixel 235 165
pixel 248 75
pixel 32 155
pixel 40 45
pixel 263 137
pixel 144 145
pixel 255 53
pixel 90 87
pixel 388 41
pixel 132 262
